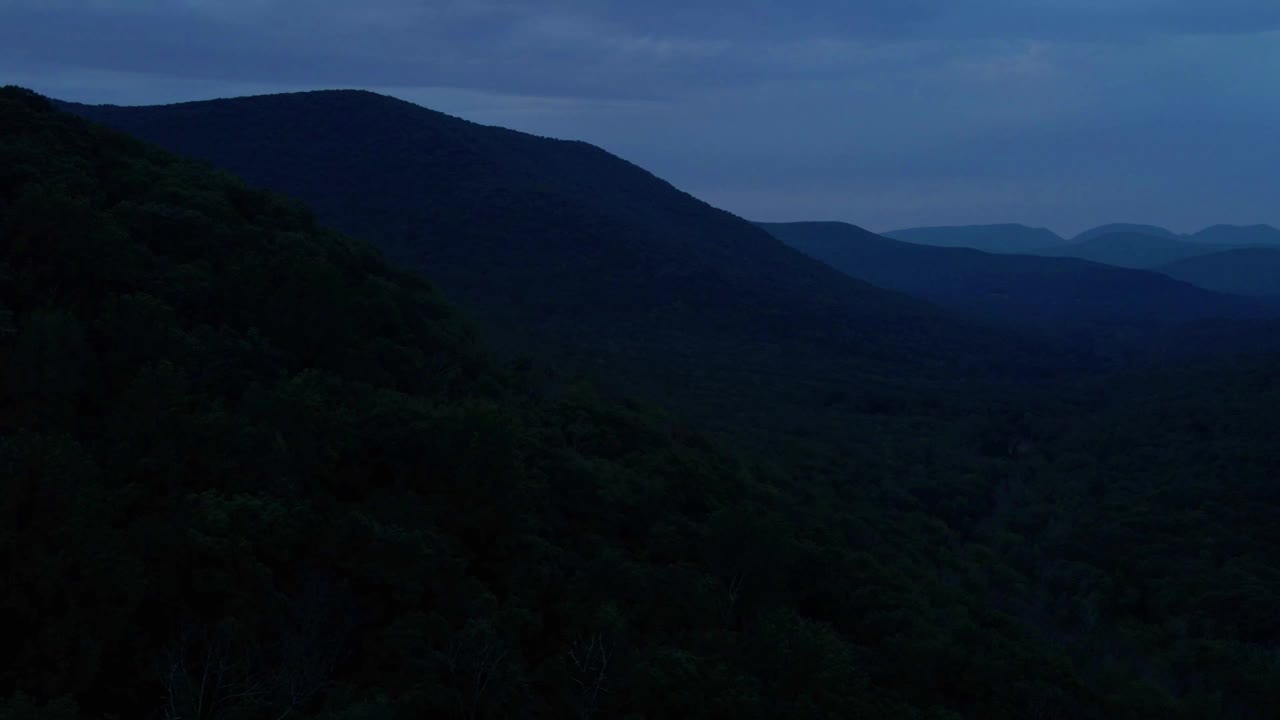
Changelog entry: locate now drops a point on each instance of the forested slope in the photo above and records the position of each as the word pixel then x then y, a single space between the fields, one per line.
pixel 252 471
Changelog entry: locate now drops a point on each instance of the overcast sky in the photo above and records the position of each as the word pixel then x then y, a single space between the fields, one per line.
pixel 886 113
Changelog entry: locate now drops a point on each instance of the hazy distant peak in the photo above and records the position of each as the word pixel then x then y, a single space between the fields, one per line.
pixel 1008 237
pixel 1238 235
pixel 1131 228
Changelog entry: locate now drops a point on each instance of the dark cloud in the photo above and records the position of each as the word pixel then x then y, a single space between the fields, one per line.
pixel 566 47
pixel 886 112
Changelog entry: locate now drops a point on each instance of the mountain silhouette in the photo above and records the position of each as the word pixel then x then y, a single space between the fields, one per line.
pixel 1238 235
pixel 1131 250
pixel 1008 238
pixel 1044 292
pixel 1128 228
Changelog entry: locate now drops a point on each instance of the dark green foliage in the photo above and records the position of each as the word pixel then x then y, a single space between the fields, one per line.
pixel 250 471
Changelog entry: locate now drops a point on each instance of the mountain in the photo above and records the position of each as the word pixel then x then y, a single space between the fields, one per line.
pixel 251 470
pixel 1121 244
pixel 1131 250
pixel 1044 292
pixel 1238 235
pixel 1126 228
pixel 992 238
pixel 558 246
pixel 1243 271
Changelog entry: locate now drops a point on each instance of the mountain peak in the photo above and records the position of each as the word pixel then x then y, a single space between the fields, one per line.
pixel 1240 235
pixel 1129 228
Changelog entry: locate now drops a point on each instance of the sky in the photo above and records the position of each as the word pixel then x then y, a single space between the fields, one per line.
pixel 884 113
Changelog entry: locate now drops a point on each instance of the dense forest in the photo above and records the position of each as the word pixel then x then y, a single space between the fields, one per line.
pixel 254 470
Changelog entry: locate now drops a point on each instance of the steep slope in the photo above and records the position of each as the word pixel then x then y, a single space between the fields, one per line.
pixel 1133 228
pixel 1009 238
pixel 1044 292
pixel 1131 250
pixel 1238 235
pixel 559 245
pixel 1242 271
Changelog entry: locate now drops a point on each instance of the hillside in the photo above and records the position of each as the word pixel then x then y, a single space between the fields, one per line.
pixel 1131 250
pixel 1007 238
pixel 1048 293
pixel 252 471
pixel 562 250
pixel 1243 271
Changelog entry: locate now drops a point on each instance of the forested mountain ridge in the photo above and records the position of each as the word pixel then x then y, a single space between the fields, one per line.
pixel 1051 294
pixel 560 245
pixel 252 471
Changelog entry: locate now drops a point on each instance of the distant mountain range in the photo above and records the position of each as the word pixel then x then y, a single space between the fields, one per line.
pixel 1130 246
pixel 1013 238
pixel 1131 249
pixel 1238 235
pixel 1007 238
pixel 1025 289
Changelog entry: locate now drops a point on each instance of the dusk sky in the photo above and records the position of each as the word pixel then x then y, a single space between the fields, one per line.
pixel 885 113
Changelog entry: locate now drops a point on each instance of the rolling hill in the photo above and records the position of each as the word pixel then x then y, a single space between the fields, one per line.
pixel 1043 292
pixel 1129 228
pixel 1241 235
pixel 1131 250
pixel 1243 271
pixel 1236 235
pixel 1007 238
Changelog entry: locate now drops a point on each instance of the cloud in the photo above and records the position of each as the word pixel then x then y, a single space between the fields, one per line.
pixel 879 111
pixel 596 48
